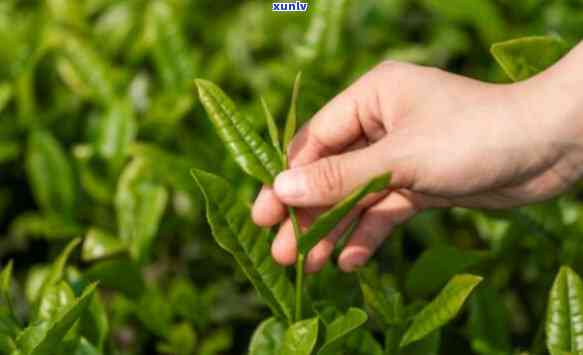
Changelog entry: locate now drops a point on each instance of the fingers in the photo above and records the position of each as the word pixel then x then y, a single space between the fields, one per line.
pixel 284 247
pixel 267 210
pixel 328 180
pixel 375 225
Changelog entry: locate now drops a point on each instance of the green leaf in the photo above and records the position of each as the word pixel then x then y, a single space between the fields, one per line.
pixel 117 129
pixel 216 343
pixel 424 279
pixel 118 274
pixel 442 309
pixel 429 345
pixel 50 174
pixel 252 154
pixel 300 338
pixel 140 204
pixel 181 340
pixel 564 325
pixel 267 338
pixel 326 222
pixel 155 312
pixel 9 151
pixel 95 324
pixel 54 299
pixel 99 244
pixel 291 122
pixel 234 231
pixel 6 284
pixel 525 57
pixel 489 328
pixel 86 348
pixel 45 338
pixel 271 127
pixel 383 299
pixel 362 342
pixel 340 328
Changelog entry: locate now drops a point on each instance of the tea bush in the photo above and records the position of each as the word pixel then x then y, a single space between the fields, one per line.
pixel 109 246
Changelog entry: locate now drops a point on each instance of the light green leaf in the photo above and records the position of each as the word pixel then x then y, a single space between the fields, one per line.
pixel 117 129
pixel 99 244
pixel 50 174
pixel 9 151
pixel 326 222
pixel 300 338
pixel 235 232
pixel 340 328
pixel 6 283
pixel 54 299
pixel 525 57
pixel 86 348
pixel 291 121
pixel 425 279
pixel 44 338
pixel 268 338
pixel 564 325
pixel 442 309
pixel 155 312
pixel 271 127
pixel 140 204
pixel 253 155
pixel 181 340
pixel 383 299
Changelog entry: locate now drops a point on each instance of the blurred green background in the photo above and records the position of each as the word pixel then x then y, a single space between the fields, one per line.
pixel 100 125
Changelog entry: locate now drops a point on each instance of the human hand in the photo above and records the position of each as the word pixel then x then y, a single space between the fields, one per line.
pixel 446 139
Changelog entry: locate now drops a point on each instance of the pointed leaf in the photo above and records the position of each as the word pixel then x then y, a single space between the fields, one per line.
pixel 99 244
pixel 50 174
pixel 340 328
pixel 328 220
pixel 268 338
pixel 117 129
pixel 442 309
pixel 424 278
pixel 382 299
pixel 6 283
pixel 252 154
pixel 271 127
pixel 45 338
pixel 564 325
pixel 525 57
pixel 235 232
pixel 54 300
pixel 300 338
pixel 57 271
pixel 291 122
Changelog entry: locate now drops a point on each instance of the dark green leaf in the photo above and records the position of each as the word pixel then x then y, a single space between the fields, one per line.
pixel 442 309
pixel 326 222
pixel 383 299
pixel 268 338
pixel 254 156
pixel 564 325
pixel 361 342
pixel 118 274
pixel 340 328
pixel 489 328
pixel 300 338
pixel 235 232
pixel 155 312
pixel 525 57
pixel 425 279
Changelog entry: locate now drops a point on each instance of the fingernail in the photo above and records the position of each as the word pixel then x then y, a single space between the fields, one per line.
pixel 290 183
pixel 355 261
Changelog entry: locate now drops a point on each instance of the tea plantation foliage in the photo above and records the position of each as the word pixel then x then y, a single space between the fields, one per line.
pixel 105 246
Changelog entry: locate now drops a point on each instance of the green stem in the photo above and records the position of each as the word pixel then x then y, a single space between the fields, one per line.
pixel 299 266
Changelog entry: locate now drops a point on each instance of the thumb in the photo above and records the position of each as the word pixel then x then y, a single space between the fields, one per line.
pixel 330 179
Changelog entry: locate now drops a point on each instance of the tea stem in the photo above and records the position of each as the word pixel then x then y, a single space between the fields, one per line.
pixel 299 266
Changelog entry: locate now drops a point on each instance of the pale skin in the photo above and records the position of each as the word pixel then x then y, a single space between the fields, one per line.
pixel 447 140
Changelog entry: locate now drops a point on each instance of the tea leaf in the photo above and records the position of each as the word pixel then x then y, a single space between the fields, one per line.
pixel 340 328
pixel 6 283
pixel 252 154
pixel 425 279
pixel 235 232
pixel 271 127
pixel 326 222
pixel 291 122
pixel 486 338
pixel 382 299
pixel 117 129
pixel 362 342
pixel 268 338
pixel 98 244
pixel 50 174
pixel 300 338
pixel 442 309
pixel 564 325
pixel 523 58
